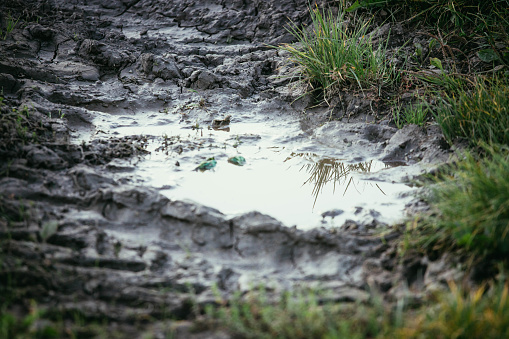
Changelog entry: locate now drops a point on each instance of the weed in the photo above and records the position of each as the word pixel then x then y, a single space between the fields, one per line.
pixel 297 315
pixel 482 313
pixel 333 56
pixel 10 25
pixel 48 229
pixel 478 115
pixel 471 208
pixel 196 125
pixel 200 104
pixel 13 327
pixel 451 14
pixel 412 114
pixel 237 142
pixel 458 314
pixel 165 110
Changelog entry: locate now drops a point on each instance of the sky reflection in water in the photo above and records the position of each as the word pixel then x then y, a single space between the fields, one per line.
pixel 281 177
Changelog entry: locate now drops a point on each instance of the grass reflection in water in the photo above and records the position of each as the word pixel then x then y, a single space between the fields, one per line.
pixel 331 170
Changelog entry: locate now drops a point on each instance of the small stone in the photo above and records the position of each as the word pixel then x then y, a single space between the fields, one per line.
pixel 332 213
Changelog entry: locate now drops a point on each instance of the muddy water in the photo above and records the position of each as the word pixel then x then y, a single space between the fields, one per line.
pixel 289 174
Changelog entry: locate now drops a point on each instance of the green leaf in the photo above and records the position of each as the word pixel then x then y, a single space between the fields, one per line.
pixel 487 55
pixel 48 229
pixel 365 4
pixel 432 44
pixel 436 62
pixel 418 49
pixel 354 6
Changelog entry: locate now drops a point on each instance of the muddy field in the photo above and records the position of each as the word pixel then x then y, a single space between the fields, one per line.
pixel 109 106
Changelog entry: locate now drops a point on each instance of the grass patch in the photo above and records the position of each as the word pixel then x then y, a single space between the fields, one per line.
pixel 416 114
pixel 444 13
pixel 460 314
pixel 12 326
pixel 481 313
pixel 10 24
pixel 471 208
pixel 298 315
pixel 477 115
pixel 332 55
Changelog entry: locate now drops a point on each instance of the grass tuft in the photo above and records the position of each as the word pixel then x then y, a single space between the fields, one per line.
pixel 297 315
pixel 478 115
pixel 413 114
pixel 477 314
pixel 10 24
pixel 482 313
pixel 332 55
pixel 471 206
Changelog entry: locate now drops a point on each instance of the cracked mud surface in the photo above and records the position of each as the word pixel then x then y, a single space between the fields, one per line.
pixel 119 96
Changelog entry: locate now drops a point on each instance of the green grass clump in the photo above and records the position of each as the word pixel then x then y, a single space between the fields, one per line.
pixel 333 55
pixel 478 115
pixel 10 24
pixel 298 315
pixel 477 314
pixel 472 208
pixel 454 313
pixel 413 114
pixel 445 13
pixel 25 327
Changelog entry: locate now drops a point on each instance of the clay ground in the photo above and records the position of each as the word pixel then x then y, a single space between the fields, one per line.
pixel 82 234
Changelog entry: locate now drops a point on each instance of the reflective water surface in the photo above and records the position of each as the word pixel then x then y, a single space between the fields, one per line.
pixel 288 174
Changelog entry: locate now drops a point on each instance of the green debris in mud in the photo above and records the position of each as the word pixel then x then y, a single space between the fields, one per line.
pixel 237 160
pixel 209 164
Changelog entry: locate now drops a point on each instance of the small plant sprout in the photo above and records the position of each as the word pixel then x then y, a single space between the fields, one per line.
pixel 48 229
pixel 416 114
pixel 10 25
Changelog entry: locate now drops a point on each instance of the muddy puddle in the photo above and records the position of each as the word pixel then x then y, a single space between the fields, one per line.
pixel 289 174
pixel 125 101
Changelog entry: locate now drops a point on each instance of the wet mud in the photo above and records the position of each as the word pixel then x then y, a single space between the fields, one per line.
pixel 109 106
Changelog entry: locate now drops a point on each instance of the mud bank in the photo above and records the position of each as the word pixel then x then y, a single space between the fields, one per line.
pixel 109 105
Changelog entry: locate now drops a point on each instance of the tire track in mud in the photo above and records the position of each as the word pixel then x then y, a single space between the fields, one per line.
pixel 125 252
